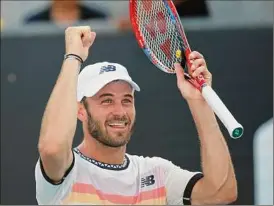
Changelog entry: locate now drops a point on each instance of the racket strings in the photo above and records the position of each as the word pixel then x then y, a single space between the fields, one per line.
pixel 159 32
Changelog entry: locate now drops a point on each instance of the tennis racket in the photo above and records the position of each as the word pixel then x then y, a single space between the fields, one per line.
pixel 160 33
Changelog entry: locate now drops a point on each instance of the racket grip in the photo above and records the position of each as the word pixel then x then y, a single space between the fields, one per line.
pixel 234 128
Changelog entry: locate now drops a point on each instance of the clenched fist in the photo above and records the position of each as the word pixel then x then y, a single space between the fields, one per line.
pixel 78 40
pixel 198 67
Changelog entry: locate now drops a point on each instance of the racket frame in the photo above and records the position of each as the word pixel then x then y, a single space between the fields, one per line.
pixel 234 128
pixel 199 82
pixel 141 42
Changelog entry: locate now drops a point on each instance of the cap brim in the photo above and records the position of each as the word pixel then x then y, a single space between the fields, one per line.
pixel 94 86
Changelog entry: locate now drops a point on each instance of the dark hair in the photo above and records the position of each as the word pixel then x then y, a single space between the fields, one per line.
pixel 84 102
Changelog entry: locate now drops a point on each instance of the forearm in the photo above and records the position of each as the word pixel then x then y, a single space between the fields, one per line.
pixel 60 116
pixel 215 155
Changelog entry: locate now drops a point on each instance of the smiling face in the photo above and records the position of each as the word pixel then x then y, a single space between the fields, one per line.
pixel 109 116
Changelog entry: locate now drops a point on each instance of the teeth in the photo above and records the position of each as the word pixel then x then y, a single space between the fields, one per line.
pixel 117 124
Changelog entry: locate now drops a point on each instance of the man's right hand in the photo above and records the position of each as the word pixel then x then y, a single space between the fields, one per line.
pixel 78 40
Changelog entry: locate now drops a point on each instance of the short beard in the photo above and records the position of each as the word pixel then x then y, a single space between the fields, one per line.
pixel 96 131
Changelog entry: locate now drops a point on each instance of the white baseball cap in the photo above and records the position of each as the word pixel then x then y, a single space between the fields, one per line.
pixel 95 76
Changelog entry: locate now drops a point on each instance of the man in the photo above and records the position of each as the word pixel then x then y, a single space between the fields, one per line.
pixel 99 171
pixel 63 12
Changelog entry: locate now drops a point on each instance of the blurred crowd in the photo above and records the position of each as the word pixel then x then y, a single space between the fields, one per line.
pixel 67 12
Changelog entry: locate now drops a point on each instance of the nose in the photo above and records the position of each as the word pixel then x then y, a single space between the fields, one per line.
pixel 118 109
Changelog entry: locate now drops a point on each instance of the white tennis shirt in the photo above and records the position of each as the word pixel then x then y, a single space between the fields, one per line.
pixel 139 180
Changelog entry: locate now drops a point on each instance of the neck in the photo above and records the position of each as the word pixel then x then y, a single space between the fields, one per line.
pixel 95 150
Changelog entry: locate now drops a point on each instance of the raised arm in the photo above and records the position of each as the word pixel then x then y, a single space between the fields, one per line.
pixel 219 185
pixel 60 116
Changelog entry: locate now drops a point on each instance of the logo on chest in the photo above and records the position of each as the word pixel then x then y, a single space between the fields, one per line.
pixel 147 181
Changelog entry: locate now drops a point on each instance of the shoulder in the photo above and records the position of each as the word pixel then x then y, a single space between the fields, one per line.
pixel 88 13
pixel 149 162
pixel 43 15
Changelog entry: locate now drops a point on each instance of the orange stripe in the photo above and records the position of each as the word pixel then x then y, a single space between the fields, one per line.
pixel 119 199
pixel 85 198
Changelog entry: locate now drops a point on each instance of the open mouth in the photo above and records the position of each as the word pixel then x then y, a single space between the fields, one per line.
pixel 117 124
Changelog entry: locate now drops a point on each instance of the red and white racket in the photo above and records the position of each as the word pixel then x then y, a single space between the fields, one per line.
pixel 160 33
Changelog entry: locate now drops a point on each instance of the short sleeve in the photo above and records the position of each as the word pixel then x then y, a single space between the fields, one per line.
pixel 178 182
pixel 49 193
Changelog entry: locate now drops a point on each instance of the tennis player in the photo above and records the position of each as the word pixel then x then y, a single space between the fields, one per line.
pixel 99 171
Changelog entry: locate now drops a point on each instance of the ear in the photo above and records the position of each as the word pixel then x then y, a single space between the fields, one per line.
pixel 82 113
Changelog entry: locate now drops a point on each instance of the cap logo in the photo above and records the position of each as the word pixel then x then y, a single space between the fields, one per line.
pixel 108 68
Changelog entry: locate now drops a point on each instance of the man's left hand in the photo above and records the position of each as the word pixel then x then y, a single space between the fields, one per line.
pixel 188 91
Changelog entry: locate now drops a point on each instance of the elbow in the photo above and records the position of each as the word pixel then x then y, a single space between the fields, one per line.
pixel 232 191
pixel 225 194
pixel 232 195
pixel 49 148
pixel 228 195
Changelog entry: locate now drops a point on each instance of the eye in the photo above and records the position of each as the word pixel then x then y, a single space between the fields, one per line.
pixel 127 101
pixel 107 101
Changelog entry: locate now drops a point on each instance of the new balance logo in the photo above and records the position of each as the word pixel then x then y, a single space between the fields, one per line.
pixel 108 68
pixel 147 181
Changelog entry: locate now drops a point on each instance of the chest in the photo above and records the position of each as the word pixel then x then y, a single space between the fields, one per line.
pixel 134 186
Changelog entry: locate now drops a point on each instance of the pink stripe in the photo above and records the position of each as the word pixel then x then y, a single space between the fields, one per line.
pixel 120 199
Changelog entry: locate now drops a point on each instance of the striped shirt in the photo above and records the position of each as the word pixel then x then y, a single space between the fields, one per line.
pixel 139 180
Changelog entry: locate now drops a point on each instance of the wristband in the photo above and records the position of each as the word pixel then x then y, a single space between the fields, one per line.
pixel 66 56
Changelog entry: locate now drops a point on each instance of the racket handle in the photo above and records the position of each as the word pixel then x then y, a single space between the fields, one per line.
pixel 234 128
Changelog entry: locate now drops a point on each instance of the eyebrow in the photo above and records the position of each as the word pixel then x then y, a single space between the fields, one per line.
pixel 111 95
pixel 128 95
pixel 106 95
